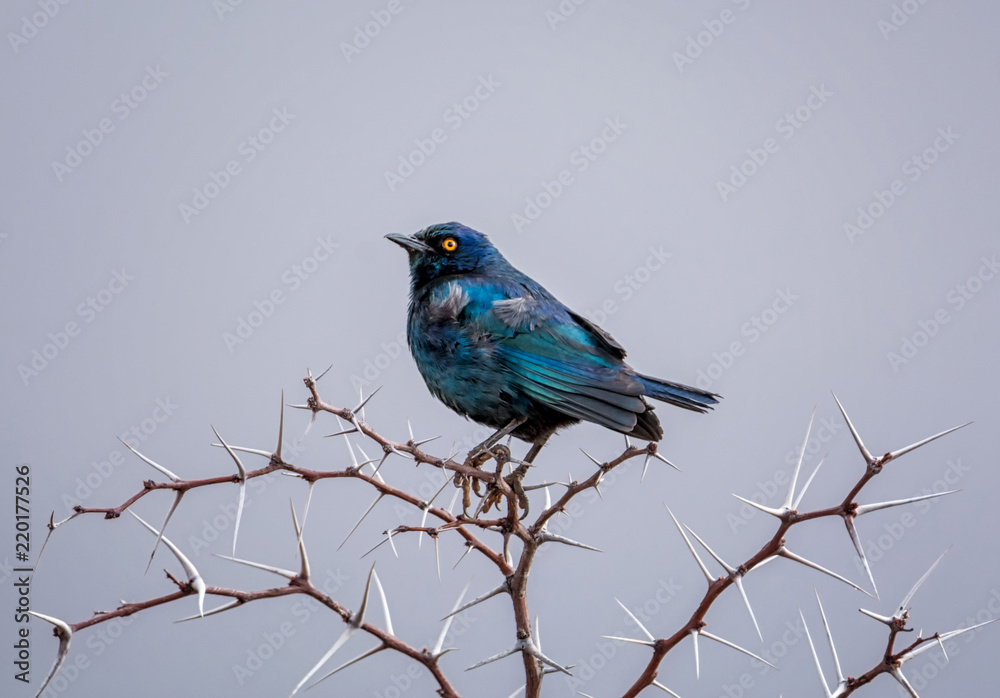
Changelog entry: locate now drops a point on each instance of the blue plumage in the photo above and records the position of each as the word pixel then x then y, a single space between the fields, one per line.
pixel 492 344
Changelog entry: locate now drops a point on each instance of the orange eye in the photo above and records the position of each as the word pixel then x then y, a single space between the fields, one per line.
pixel 449 245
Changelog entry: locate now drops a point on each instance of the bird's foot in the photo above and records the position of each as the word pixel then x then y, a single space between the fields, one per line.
pixel 477 458
pixel 495 494
pixel 515 481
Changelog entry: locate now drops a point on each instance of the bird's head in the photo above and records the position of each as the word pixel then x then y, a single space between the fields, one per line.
pixel 446 249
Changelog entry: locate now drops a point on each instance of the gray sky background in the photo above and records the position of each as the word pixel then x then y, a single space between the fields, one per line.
pixel 826 108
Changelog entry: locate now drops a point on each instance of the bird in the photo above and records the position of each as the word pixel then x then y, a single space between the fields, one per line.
pixel 495 346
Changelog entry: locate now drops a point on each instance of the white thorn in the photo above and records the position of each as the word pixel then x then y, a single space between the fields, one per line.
pixel 363 655
pixel 367 511
pixel 898 675
pixel 288 574
pixel 281 431
pixel 853 533
pixel 708 575
pixel 805 487
pixel 943 637
pixel 596 462
pixel 344 637
pixel 912 447
pixel 504 588
pixel 829 637
pixel 305 511
pixel 173 478
pixel 802 454
pixel 665 689
pixel 645 465
pixel 697 658
pixel 906 599
pixel 392 545
pixel 244 449
pixel 940 642
pixel 360 409
pixel 535 652
pixel 819 667
pixel 437 558
pixel 779 513
pixel 645 643
pixel 468 548
pixel 495 657
pixel 177 500
pixel 729 568
pixel 867 508
pixel 385 603
pixel 436 652
pixel 65 634
pixel 243 486
pixel 785 552
pixel 881 619
pixel 635 620
pixel 224 607
pixel 304 569
pixel 736 647
pixel 547 537
pixel 194 579
pixel 738 579
pixel 865 453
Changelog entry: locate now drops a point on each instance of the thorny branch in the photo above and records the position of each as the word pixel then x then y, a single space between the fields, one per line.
pixel 515 575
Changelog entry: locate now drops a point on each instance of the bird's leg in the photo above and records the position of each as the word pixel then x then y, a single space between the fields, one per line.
pixel 477 456
pixel 493 493
pixel 481 453
pixel 515 478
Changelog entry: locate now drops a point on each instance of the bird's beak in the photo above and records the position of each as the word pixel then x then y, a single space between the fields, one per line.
pixel 408 243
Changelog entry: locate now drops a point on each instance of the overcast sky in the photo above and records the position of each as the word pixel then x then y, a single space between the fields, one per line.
pixel 769 200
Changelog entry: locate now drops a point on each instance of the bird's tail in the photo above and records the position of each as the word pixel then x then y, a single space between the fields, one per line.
pixel 678 394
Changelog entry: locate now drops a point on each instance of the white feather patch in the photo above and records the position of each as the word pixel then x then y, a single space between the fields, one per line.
pixel 449 307
pixel 516 312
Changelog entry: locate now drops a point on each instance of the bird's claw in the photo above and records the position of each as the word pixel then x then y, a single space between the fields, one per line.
pixel 494 494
